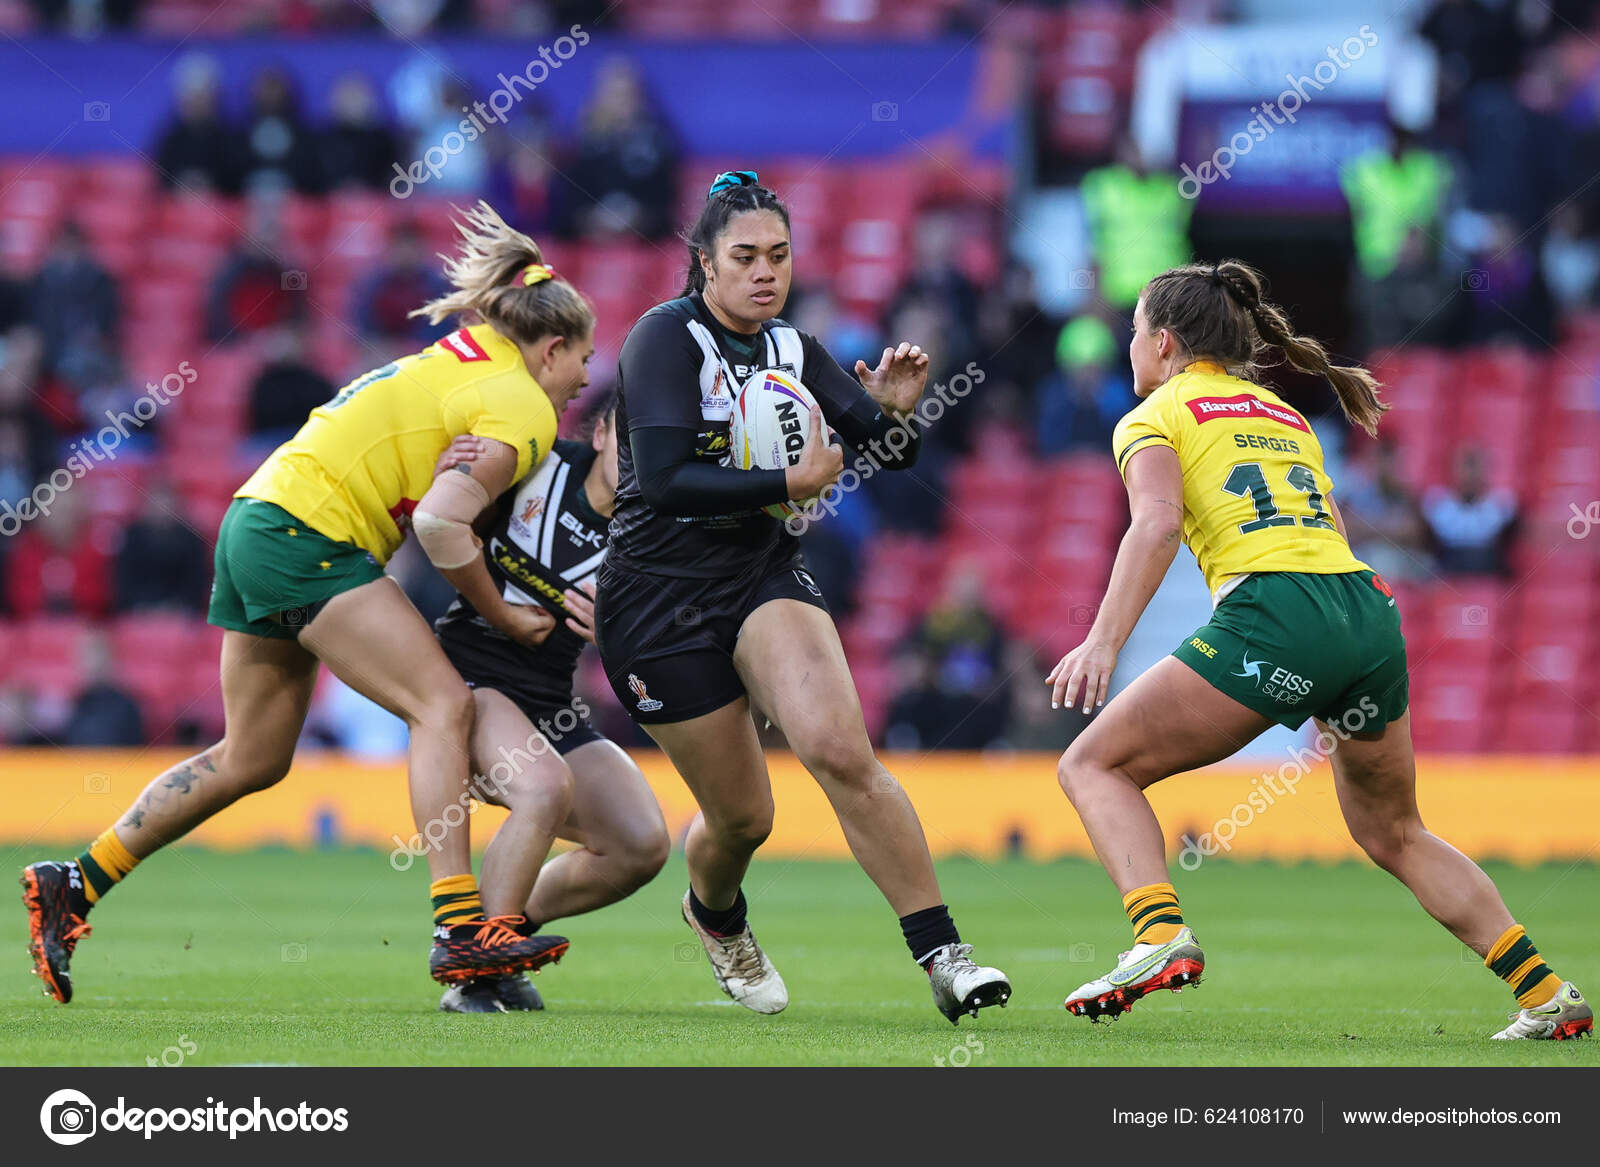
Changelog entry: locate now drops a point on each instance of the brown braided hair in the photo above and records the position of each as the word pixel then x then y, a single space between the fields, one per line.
pixel 1219 310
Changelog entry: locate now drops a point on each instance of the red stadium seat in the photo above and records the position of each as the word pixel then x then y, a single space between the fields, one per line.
pixel 49 654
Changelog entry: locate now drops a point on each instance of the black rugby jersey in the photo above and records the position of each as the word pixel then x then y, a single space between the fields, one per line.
pixel 679 368
pixel 543 538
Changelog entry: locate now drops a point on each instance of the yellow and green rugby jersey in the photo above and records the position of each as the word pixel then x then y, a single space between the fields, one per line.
pixel 1253 475
pixel 362 462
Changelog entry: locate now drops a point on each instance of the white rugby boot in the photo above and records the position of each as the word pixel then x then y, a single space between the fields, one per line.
pixel 1565 1015
pixel 1144 968
pixel 742 969
pixel 962 986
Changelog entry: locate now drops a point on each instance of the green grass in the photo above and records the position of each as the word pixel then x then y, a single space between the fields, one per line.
pixel 1308 966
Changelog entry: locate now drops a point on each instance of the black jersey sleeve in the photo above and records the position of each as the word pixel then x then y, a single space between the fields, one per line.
pixel 853 414
pixel 657 369
pixel 672 482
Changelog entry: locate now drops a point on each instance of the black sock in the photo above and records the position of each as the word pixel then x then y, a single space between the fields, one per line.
pixel 928 931
pixel 719 921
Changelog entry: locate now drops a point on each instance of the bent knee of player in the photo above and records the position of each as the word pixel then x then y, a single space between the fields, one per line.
pixel 1387 841
pixel 249 768
pixel 742 828
pixel 844 759
pixel 1081 770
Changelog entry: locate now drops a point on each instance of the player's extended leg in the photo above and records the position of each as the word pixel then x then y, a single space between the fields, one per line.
pixel 1168 721
pixel 791 661
pixel 266 690
pixel 519 770
pixel 720 759
pixel 377 643
pixel 622 838
pixel 1376 779
pixel 622 844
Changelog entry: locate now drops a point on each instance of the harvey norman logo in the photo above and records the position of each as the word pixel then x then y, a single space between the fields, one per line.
pixel 1242 407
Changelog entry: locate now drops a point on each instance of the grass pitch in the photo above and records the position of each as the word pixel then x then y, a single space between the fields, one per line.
pixel 277 957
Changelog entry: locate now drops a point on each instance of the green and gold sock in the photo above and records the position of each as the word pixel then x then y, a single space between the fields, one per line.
pixel 104 864
pixel 1517 962
pixel 455 900
pixel 1154 913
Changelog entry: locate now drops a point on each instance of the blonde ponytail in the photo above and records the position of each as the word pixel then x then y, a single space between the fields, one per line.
pixel 490 276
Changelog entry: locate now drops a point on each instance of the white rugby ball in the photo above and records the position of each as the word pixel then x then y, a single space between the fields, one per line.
pixel 768 427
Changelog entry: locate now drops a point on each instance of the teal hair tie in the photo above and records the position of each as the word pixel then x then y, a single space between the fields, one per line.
pixel 729 179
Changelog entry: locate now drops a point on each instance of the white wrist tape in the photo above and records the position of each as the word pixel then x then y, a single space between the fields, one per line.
pixel 445 529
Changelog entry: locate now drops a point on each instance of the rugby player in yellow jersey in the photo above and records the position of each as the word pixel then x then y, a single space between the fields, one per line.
pixel 1301 628
pixel 299 578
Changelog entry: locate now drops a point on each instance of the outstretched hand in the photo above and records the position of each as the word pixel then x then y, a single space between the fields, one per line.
pixel 898 381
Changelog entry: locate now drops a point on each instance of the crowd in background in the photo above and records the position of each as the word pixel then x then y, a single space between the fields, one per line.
pixel 1517 133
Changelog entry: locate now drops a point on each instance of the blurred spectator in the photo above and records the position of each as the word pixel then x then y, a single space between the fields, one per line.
pixel 465 172
pixel 937 283
pixel 73 299
pixel 966 648
pixel 162 563
pixel 1507 299
pixel 59 563
pixel 1392 194
pixel 17 474
pixel 255 288
pixel 198 150
pixel 411 19
pixel 814 309
pixel 18 717
pixel 920 714
pixel 103 714
pixel 1408 304
pixel 1471 525
pixel 522 176
pixel 407 278
pixel 280 151
pixel 1570 259
pixel 286 389
pixel 13 302
pixel 1080 404
pixel 1383 518
pixel 624 166
pixel 357 149
pixel 27 401
pixel 1138 225
pixel 1031 724
pixel 1016 339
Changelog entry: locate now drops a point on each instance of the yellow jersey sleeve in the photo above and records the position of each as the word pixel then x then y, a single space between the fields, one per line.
pixel 509 411
pixel 1150 423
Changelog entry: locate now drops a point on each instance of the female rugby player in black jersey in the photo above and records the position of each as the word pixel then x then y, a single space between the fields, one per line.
pixel 705 606
pixel 533 748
